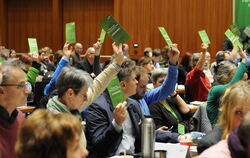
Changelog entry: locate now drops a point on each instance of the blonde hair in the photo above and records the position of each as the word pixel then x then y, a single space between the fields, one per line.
pixel 45 134
pixel 229 103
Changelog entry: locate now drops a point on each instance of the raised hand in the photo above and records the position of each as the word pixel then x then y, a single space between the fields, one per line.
pixel 118 53
pixel 67 50
pixel 174 54
pixel 242 55
pixel 204 47
pixel 120 113
pixel 97 46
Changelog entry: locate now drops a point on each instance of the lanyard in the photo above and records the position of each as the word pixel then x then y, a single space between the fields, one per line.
pixel 166 105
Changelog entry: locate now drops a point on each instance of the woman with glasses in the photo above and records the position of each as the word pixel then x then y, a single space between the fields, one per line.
pixel 234 105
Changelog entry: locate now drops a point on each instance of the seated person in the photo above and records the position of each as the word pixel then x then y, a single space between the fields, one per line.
pixel 170 111
pixel 236 144
pixel 147 63
pixel 197 83
pixel 234 104
pixel 49 135
pixel 111 130
pixel 14 91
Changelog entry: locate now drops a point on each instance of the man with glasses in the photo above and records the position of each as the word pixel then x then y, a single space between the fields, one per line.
pixel 14 91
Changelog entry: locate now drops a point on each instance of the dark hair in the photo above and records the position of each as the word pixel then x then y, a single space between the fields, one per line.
pixel 139 70
pixel 127 67
pixel 144 61
pixel 156 52
pixel 185 61
pixel 26 59
pixel 146 51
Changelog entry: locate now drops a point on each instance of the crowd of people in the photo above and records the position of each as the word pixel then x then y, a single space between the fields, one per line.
pixel 75 116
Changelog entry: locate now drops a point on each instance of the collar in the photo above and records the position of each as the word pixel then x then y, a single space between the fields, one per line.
pixel 5 115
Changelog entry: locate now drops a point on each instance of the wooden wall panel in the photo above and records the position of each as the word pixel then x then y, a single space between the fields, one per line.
pixel 28 18
pixel 181 18
pixel 3 25
pixel 87 14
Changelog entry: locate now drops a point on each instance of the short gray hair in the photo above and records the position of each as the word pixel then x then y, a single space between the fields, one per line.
pixel 222 71
pixel 158 73
pixel 73 78
pixel 195 58
pixel 8 65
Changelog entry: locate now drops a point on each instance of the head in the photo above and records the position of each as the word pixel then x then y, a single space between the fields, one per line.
pixel 4 52
pixel 78 48
pixel 186 60
pixel 234 104
pixel 126 50
pixel 220 56
pixel 147 63
pixel 158 76
pixel 49 135
pixel 127 78
pixel 196 56
pixel 164 53
pixel 223 72
pixel 148 52
pixel 12 53
pixel 90 55
pixel 44 53
pixel 27 60
pixel 156 55
pixel 207 61
pixel 142 77
pixel 58 55
pixel 72 85
pixel 14 88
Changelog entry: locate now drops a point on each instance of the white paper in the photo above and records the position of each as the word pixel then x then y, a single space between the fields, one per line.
pixel 173 150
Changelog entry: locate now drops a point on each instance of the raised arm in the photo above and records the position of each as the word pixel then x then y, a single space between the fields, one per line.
pixel 201 60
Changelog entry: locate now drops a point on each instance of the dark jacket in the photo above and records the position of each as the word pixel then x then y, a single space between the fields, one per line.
pixel 86 66
pixel 102 138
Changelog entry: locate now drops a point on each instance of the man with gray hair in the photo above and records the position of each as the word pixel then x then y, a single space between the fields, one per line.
pixel 14 91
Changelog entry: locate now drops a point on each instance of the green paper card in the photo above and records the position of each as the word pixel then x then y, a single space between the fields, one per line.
pixel 181 128
pixel 33 45
pixel 70 33
pixel 204 37
pixel 234 39
pixel 165 36
pixel 115 92
pixel 102 36
pixel 115 31
pixel 235 30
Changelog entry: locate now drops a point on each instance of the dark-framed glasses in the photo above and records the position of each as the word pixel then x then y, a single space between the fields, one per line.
pixel 20 85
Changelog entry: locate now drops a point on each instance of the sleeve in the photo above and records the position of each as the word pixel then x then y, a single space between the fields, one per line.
pixel 155 95
pixel 51 85
pixel 100 83
pixel 32 74
pixel 166 137
pixel 103 134
pixel 97 67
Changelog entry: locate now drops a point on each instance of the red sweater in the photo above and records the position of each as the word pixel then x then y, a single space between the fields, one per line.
pixel 198 84
pixel 8 135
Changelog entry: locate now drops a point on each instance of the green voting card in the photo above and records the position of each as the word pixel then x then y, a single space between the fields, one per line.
pixel 33 45
pixel 234 39
pixel 181 128
pixel 235 30
pixel 115 31
pixel 102 36
pixel 70 33
pixel 165 36
pixel 204 37
pixel 115 92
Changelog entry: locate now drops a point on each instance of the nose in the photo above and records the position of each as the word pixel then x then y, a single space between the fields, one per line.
pixel 84 152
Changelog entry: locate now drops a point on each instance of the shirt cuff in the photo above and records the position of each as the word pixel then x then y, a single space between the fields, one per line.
pixel 65 58
pixel 118 128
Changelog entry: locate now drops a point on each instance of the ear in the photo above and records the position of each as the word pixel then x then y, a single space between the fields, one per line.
pixel 123 84
pixel 70 92
pixel 1 90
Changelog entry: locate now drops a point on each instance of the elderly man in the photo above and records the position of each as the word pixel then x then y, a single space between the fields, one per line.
pixel 14 91
pixel 91 63
pixel 76 55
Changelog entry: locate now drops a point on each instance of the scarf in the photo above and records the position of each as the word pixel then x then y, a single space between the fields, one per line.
pixel 235 146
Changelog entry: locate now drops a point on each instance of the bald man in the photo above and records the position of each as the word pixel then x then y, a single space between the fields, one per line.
pixel 76 55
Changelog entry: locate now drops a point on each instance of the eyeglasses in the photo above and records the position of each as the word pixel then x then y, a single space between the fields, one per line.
pixel 20 85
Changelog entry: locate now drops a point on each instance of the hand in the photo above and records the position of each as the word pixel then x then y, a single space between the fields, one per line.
pixel 120 113
pixel 117 49
pixel 165 129
pixel 174 54
pixel 97 46
pixel 204 47
pixel 67 50
pixel 34 56
pixel 242 55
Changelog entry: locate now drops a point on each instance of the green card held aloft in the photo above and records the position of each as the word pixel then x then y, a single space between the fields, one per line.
pixel 165 36
pixel 204 37
pixel 181 128
pixel 102 36
pixel 235 30
pixel 33 45
pixel 70 32
pixel 115 31
pixel 115 92
pixel 234 39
